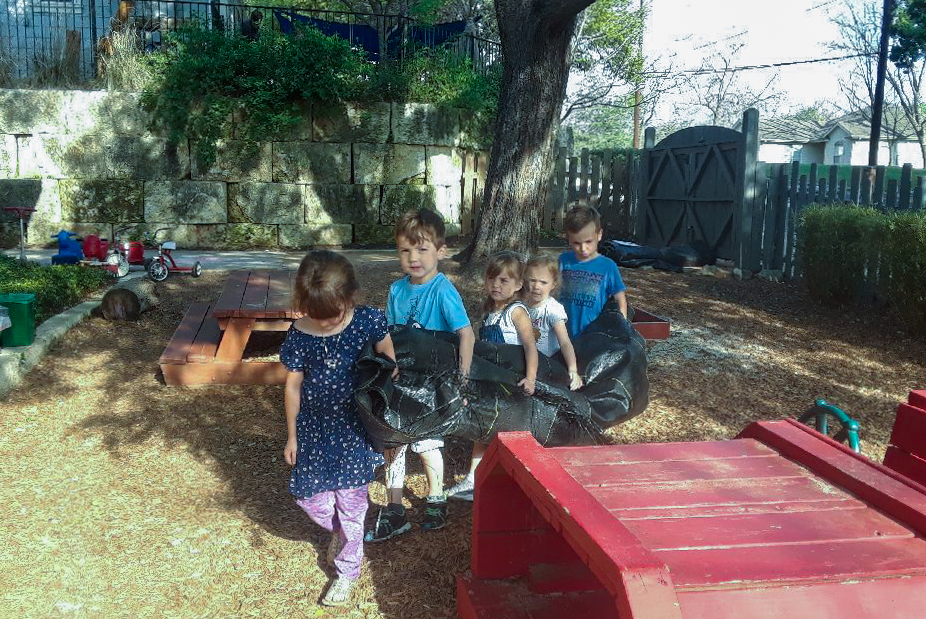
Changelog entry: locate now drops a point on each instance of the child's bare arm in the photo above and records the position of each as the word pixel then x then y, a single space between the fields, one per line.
pixel 292 395
pixel 467 341
pixel 569 354
pixel 385 347
pixel 621 299
pixel 522 324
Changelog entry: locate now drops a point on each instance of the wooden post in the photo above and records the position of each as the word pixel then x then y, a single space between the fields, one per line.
pixel 790 219
pixel 583 179
pixel 595 178
pixel 890 200
pixel 607 180
pixel 559 198
pixel 748 254
pixel 780 227
pixel 880 177
pixel 833 185
pixel 906 176
pixel 854 184
pixel 571 190
pixel 620 200
pixel 919 194
pixel 812 185
pixel 864 193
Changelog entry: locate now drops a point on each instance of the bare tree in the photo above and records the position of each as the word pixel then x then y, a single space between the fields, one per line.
pixel 718 91
pixel 904 116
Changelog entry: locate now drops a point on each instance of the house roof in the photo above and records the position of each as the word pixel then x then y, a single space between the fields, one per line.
pixel 894 125
pixel 789 131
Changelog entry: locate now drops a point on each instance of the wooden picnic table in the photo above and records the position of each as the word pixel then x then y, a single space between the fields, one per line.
pixel 780 523
pixel 208 345
pixel 252 301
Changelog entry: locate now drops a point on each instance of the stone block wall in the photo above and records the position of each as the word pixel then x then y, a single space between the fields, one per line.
pixel 86 161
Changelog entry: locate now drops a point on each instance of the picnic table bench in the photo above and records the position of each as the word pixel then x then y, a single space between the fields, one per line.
pixel 208 345
pixel 781 522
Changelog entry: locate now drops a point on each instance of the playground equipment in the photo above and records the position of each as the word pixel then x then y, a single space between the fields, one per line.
pixel 159 269
pixel 780 522
pixel 69 251
pixel 22 212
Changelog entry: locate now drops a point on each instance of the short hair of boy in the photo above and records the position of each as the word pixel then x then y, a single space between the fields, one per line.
pixel 580 216
pixel 420 226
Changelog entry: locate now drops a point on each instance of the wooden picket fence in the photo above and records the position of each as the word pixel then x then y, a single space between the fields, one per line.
pixel 783 192
pixel 607 181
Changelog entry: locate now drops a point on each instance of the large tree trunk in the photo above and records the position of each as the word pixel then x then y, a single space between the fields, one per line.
pixel 128 298
pixel 535 37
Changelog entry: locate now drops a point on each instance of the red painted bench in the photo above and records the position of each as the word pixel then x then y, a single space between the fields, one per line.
pixel 781 522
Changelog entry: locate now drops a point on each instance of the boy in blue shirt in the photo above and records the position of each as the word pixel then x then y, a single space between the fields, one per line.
pixel 424 299
pixel 588 278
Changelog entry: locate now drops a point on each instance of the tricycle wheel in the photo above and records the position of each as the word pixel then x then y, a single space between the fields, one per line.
pixel 157 271
pixel 148 262
pixel 118 260
pixel 197 269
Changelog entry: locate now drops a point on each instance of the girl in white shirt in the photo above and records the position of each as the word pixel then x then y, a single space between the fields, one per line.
pixel 548 316
pixel 506 321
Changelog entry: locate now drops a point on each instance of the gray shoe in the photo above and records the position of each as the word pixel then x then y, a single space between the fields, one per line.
pixel 463 491
pixel 389 523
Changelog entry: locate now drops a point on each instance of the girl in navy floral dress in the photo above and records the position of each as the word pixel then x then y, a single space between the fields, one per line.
pixel 327 447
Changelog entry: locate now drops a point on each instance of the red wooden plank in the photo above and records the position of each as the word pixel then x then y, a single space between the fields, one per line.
pixel 900 598
pixel 254 299
pixel 280 295
pixel 713 492
pixel 513 600
pixel 917 398
pixel 879 486
pixel 656 452
pixel 641 585
pixel 206 342
pixel 702 511
pixel 751 565
pixel 179 344
pixel 229 302
pixel 765 529
pixel 909 433
pixel 905 464
pixel 605 474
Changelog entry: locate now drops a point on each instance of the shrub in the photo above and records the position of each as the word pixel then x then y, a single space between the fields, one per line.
pixel 854 254
pixel 205 77
pixel 206 81
pixel 56 288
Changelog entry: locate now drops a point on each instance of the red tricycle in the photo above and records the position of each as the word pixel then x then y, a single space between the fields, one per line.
pixel 159 269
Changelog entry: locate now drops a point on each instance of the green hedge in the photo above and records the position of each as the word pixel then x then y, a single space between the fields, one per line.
pixel 56 288
pixel 854 254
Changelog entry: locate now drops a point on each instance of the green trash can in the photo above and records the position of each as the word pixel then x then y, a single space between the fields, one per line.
pixel 21 308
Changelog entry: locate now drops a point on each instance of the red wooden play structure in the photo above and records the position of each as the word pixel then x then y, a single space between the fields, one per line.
pixel 781 522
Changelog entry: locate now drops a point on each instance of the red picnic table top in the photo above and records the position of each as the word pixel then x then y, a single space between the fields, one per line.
pixel 779 523
pixel 256 294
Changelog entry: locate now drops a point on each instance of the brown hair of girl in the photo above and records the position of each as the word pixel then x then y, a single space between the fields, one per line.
pixel 544 262
pixel 507 262
pixel 325 285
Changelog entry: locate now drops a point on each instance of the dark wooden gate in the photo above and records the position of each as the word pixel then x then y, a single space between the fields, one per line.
pixel 697 186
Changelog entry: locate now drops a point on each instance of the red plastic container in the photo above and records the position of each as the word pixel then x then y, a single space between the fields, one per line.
pixel 135 252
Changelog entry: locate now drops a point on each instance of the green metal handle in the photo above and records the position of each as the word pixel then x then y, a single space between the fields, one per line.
pixel 820 413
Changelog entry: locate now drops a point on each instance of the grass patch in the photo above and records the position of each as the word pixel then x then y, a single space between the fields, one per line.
pixel 56 288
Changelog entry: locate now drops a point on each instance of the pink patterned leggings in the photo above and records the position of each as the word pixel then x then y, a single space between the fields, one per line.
pixel 341 511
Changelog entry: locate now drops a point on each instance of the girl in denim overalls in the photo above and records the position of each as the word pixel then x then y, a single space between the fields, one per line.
pixel 506 321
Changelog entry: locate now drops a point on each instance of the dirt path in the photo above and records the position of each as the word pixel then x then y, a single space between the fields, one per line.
pixel 126 498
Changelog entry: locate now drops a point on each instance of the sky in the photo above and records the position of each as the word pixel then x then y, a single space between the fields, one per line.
pixel 779 31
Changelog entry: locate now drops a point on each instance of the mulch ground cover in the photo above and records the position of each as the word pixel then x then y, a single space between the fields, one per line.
pixel 123 497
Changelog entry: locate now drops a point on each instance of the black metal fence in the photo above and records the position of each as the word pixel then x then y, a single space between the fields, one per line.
pixel 57 42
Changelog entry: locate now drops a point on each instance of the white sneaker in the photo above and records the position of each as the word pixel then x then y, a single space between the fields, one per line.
pixel 462 491
pixel 335 546
pixel 339 592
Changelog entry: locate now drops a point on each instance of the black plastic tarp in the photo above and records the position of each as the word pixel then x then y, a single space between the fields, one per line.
pixel 429 401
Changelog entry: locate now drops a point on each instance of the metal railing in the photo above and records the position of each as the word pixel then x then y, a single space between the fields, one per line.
pixel 58 42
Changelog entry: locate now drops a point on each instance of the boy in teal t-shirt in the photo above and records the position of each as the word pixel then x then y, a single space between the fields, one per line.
pixel 588 279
